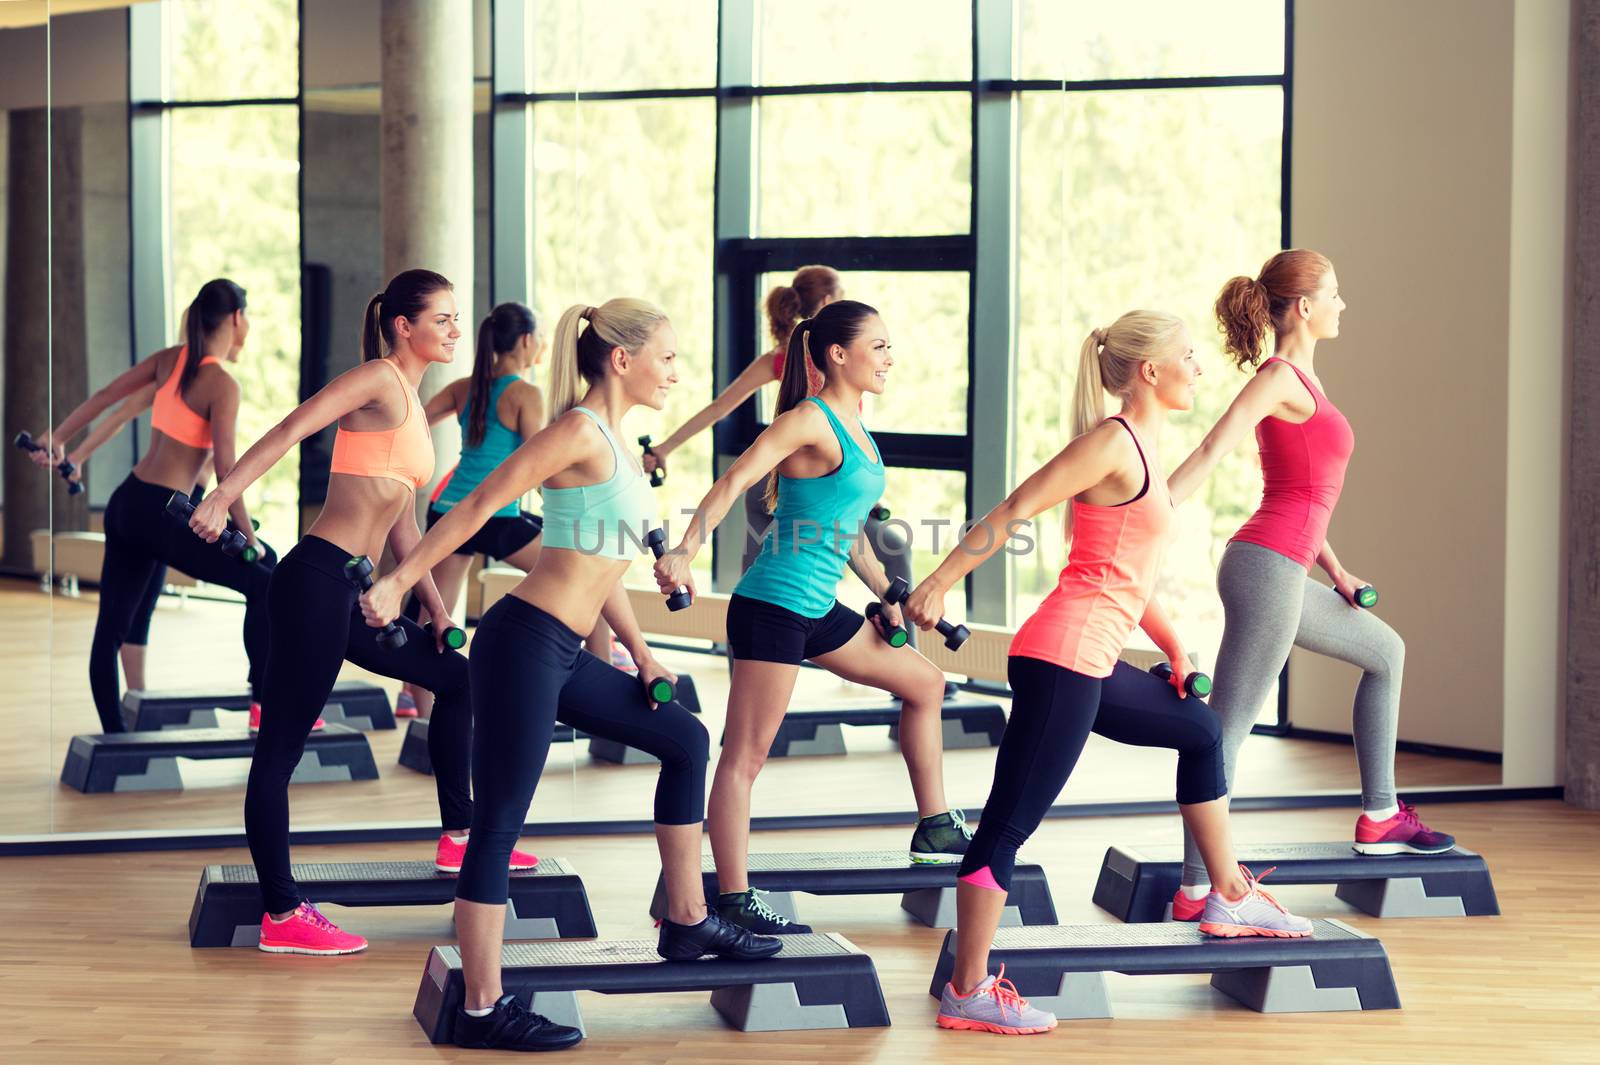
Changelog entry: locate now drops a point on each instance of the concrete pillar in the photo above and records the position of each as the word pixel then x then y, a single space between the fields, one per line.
pixel 69 335
pixel 1583 493
pixel 27 341
pixel 426 168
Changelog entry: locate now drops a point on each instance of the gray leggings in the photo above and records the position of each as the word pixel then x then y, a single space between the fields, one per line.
pixel 891 548
pixel 1269 605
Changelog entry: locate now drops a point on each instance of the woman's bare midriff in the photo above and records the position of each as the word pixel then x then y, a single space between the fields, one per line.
pixel 570 586
pixel 360 511
pixel 171 464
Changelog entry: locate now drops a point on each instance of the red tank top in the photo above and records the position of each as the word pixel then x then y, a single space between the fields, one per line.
pixel 1302 473
pixel 1085 622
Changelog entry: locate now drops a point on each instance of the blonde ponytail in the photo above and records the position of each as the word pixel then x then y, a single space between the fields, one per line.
pixel 579 357
pixel 1111 357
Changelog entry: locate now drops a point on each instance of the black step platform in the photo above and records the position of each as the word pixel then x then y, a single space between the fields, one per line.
pixel 414 748
pixel 1061 968
pixel 546 902
pixel 352 702
pixel 148 761
pixel 967 723
pixel 928 892
pixel 818 981
pixel 1137 884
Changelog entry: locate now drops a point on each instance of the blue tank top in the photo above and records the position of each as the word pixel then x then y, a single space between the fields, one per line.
pixel 479 462
pixel 609 519
pixel 807 546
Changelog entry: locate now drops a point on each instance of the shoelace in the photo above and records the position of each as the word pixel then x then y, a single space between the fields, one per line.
pixel 519 1022
pixel 1005 994
pixel 310 913
pixel 1256 889
pixel 759 907
pixel 1408 816
pixel 959 819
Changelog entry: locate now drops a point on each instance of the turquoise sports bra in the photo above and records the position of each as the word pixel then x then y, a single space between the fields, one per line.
pixel 609 519
pixel 499 441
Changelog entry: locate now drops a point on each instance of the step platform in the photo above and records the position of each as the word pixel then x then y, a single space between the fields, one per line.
pixel 414 748
pixel 817 981
pixel 354 703
pixel 152 761
pixel 967 723
pixel 927 892
pixel 546 902
pixel 1137 884
pixel 1061 968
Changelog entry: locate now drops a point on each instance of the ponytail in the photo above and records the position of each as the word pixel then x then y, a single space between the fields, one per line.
pixel 810 341
pixel 216 300
pixel 1089 394
pixel 498 333
pixel 406 297
pixel 1247 307
pixel 1110 358
pixel 803 297
pixel 581 356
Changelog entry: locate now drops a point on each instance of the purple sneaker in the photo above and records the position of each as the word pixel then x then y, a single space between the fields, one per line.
pixel 1400 834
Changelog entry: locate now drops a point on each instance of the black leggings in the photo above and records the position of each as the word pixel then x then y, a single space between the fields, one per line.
pixel 141 538
pixel 1053 710
pixel 316 626
pixel 139 630
pixel 528 672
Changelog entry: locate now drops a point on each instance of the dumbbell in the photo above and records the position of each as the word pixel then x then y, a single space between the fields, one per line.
pixel 231 541
pixel 1196 684
pixel 893 635
pixel 656 540
pixel 879 512
pixel 658 474
pixel 1366 597
pixel 25 441
pixel 359 569
pixel 954 635
pixel 454 638
pixel 661 690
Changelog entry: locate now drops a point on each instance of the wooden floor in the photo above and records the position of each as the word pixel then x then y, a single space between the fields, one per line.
pixel 97 965
pixel 197 644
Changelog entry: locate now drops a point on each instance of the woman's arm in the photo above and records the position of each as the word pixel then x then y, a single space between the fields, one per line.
pixel 403 539
pixel 541 457
pixel 618 612
pixel 124 385
pixel 531 415
pixel 1158 627
pixel 224 449
pixel 129 409
pixel 1262 395
pixel 1081 465
pixel 744 386
pixel 447 401
pixel 1345 583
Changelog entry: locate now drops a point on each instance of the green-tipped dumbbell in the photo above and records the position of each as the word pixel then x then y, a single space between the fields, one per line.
pixel 893 635
pixel 454 638
pixel 1196 684
pixel 658 474
pixel 1366 597
pixel 661 690
pixel 359 569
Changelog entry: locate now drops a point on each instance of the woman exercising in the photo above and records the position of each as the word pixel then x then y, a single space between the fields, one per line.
pixel 195 407
pixel 497 410
pixel 823 474
pixel 1064 671
pixel 529 668
pixel 1269 602
pixel 381 455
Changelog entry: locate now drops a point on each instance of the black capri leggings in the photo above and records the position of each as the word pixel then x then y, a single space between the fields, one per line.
pixel 141 539
pixel 1053 710
pixel 528 672
pixel 316 626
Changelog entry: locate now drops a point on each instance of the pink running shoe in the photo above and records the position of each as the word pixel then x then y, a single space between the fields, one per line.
pixel 255 720
pixel 621 658
pixel 448 859
pixel 1186 909
pixel 1400 834
pixel 306 931
pixel 1255 914
pixel 405 705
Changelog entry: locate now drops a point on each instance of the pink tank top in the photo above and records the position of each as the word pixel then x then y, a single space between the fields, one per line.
pixel 1302 472
pixel 1084 623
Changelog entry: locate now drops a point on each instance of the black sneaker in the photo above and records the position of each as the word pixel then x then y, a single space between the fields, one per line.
pixel 686 942
pixel 941 839
pixel 512 1026
pixel 748 909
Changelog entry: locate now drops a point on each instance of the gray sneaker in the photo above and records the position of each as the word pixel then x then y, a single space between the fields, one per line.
pixel 1256 914
pixel 941 839
pixel 993 1006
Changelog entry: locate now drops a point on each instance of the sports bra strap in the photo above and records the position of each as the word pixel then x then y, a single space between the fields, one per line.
pixel 1143 461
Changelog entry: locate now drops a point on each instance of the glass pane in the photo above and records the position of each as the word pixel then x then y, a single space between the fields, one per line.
pixel 926 507
pixel 236 214
pixel 926 315
pixel 1102 231
pixel 1078 40
pixel 233 49
pixel 600 45
pixel 827 161
pixel 623 195
pixel 827 41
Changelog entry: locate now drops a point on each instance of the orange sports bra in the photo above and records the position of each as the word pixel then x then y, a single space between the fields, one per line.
pixel 173 416
pixel 404 453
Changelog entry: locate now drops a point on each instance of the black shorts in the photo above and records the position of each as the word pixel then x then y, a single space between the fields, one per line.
pixel 500 537
pixel 759 631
